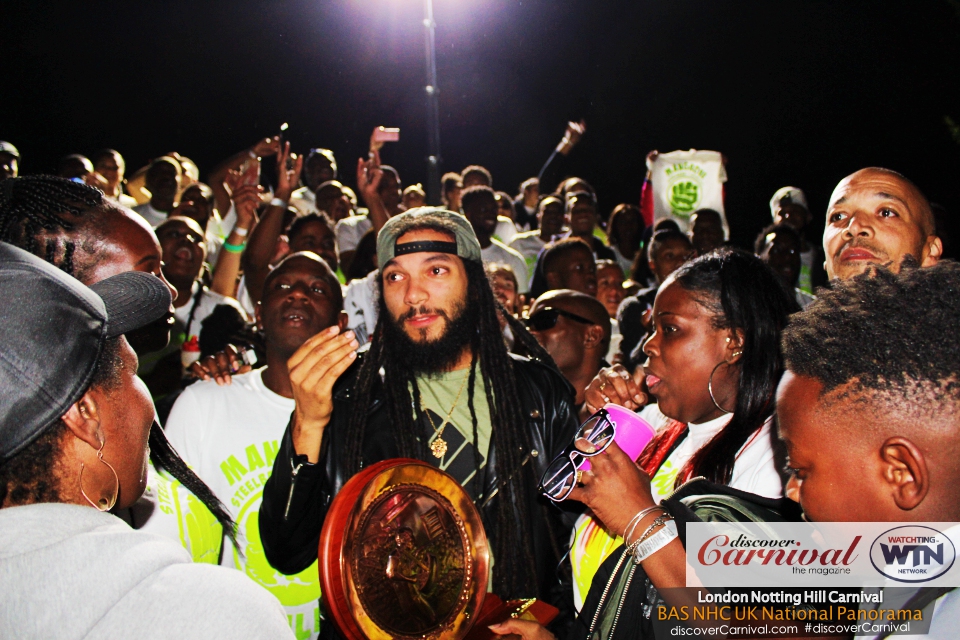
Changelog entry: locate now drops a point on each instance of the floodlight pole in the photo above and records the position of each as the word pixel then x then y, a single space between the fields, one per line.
pixel 433 109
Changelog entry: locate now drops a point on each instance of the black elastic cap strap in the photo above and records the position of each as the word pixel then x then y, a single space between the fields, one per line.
pixel 432 246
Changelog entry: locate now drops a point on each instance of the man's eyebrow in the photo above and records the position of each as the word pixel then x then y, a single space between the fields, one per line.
pixel 148 258
pixel 666 313
pixel 890 196
pixel 439 257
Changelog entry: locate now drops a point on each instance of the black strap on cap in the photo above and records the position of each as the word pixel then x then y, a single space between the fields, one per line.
pixel 431 246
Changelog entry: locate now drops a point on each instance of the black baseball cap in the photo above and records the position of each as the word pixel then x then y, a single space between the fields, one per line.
pixel 52 334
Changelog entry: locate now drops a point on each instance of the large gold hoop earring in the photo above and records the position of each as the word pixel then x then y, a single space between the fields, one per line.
pixel 104 503
pixel 710 381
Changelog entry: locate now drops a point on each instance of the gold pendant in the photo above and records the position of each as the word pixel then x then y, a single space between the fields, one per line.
pixel 438 447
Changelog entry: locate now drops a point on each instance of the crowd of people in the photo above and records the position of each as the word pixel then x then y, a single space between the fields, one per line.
pixel 293 330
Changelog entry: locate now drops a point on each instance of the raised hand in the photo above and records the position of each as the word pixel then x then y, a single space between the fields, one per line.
pixel 314 368
pixel 265 147
pixel 369 174
pixel 571 136
pixel 287 178
pixel 246 199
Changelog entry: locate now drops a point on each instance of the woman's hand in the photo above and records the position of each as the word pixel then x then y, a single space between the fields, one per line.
pixel 524 629
pixel 614 384
pixel 615 488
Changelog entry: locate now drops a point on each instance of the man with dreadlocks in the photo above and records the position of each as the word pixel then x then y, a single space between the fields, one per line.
pixel 439 385
pixel 73 227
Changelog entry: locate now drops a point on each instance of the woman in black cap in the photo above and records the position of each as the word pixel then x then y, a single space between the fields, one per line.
pixel 74 425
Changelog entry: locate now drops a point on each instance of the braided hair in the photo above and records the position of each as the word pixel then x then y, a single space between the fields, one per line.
pixel 515 570
pixel 37 214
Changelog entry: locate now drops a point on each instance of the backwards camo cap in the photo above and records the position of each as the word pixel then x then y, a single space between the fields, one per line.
pixel 787 195
pixel 466 246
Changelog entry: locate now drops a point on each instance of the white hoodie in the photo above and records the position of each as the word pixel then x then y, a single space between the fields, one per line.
pixel 73 572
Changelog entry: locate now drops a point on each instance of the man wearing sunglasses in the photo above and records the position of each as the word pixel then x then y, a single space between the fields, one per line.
pixel 574 328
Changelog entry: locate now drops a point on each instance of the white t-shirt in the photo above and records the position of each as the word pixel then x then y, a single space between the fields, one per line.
pixel 754 469
pixel 498 252
pixel 360 303
pixel 529 245
pixel 205 304
pixel 350 230
pixel 151 215
pixel 230 436
pixel 625 263
pixel 505 231
pixel 304 201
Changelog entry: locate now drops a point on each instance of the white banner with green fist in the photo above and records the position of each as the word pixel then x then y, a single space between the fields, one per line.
pixel 685 181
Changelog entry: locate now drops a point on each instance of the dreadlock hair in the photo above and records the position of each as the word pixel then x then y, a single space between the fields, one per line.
pixel 26 477
pixel 37 214
pixel 514 572
pixel 743 294
pixel 891 334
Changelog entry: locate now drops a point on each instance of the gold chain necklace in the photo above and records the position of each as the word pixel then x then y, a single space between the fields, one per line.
pixel 439 446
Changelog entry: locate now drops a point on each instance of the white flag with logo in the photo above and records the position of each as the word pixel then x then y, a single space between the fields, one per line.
pixel 684 181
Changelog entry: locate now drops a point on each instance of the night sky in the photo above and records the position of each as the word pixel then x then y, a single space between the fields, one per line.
pixel 798 93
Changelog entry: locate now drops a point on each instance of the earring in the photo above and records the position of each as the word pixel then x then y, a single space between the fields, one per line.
pixel 710 381
pixel 104 503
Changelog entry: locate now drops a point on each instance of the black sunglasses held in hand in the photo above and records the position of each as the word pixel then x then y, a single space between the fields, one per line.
pixel 559 479
pixel 610 423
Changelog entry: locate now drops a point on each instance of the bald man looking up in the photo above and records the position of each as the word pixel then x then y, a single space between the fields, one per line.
pixel 876 217
pixel 574 328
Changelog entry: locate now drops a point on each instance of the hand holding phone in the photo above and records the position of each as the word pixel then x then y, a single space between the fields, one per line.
pixel 381 135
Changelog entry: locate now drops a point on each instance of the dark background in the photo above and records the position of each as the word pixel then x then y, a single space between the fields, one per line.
pixel 799 93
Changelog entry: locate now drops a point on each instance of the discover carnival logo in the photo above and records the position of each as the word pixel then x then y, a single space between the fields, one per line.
pixel 822 554
pixel 912 554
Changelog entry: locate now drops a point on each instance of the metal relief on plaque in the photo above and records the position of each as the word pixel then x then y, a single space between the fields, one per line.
pixel 411 561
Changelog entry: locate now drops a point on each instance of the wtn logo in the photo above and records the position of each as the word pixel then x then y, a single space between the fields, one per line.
pixel 912 554
pixel 922 554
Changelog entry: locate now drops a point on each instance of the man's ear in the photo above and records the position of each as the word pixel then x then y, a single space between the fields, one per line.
pixel 904 469
pixel 83 420
pixel 553 279
pixel 593 336
pixel 934 249
pixel 342 321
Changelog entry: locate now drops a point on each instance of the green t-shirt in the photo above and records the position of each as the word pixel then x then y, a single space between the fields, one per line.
pixel 438 394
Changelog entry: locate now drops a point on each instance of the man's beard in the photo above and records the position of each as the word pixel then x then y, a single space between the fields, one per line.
pixel 434 356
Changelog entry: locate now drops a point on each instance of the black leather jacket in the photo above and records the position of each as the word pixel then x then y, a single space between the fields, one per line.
pixel 298 494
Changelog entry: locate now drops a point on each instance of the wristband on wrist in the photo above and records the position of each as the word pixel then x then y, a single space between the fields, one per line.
pixel 241 231
pixel 234 248
pixel 656 542
pixel 277 202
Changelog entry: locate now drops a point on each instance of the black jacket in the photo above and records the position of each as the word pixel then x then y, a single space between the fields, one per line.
pixel 290 542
